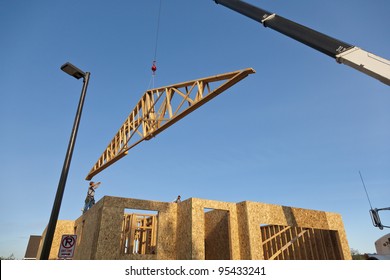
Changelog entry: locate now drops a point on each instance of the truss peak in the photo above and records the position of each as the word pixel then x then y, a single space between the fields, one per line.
pixel 160 108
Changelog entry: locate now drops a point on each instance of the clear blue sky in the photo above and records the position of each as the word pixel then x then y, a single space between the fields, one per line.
pixel 296 133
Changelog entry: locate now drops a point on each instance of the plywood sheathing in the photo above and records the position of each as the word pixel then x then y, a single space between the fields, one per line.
pixel 62 227
pixel 87 228
pixel 260 213
pixel 102 227
pixel 198 226
pixel 184 229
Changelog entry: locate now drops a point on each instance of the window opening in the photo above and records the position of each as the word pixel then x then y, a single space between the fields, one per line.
pixel 298 243
pixel 139 232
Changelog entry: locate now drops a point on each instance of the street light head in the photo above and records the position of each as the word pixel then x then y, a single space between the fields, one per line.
pixel 72 70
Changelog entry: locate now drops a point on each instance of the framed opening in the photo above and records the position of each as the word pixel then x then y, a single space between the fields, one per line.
pixel 297 243
pixel 217 237
pixel 139 232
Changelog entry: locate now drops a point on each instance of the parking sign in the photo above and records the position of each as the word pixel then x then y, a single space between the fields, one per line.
pixel 67 246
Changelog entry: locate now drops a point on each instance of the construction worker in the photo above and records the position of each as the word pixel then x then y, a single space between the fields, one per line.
pixel 90 199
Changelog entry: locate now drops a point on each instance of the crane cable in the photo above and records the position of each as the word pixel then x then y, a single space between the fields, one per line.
pixel 154 67
pixel 364 185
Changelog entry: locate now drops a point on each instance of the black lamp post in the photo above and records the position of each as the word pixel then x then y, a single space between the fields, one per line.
pixel 77 73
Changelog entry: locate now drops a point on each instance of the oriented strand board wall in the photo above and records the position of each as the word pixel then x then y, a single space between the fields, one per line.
pixel 198 230
pixel 87 228
pixel 297 243
pixel 101 227
pixel 183 228
pixel 63 227
pixel 260 213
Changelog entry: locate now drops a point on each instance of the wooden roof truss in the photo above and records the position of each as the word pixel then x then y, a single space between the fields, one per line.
pixel 160 108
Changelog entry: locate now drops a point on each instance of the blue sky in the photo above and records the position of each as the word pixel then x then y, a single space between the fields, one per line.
pixel 296 133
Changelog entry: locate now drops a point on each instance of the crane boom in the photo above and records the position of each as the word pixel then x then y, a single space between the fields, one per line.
pixel 160 108
pixel 355 57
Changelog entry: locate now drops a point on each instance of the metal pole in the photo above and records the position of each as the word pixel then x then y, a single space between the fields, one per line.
pixel 65 169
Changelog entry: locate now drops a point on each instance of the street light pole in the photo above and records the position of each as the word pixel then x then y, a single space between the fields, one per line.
pixel 77 73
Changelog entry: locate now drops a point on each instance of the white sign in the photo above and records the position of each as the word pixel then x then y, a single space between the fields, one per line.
pixel 67 246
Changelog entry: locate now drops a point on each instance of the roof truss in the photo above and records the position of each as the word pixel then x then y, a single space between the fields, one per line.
pixel 160 108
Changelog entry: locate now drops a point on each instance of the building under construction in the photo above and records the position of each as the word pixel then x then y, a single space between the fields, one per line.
pixel 197 229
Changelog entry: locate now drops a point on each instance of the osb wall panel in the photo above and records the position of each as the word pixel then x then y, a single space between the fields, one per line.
pixel 198 234
pixel 62 227
pixel 247 237
pixel 181 228
pixel 198 230
pixel 108 243
pixel 110 231
pixel 260 213
pixel 297 243
pixel 87 229
pixel 167 232
pixel 184 233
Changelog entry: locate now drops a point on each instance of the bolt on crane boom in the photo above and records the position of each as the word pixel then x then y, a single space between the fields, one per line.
pixel 355 57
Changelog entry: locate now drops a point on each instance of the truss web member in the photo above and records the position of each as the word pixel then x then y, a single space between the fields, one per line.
pixel 90 199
